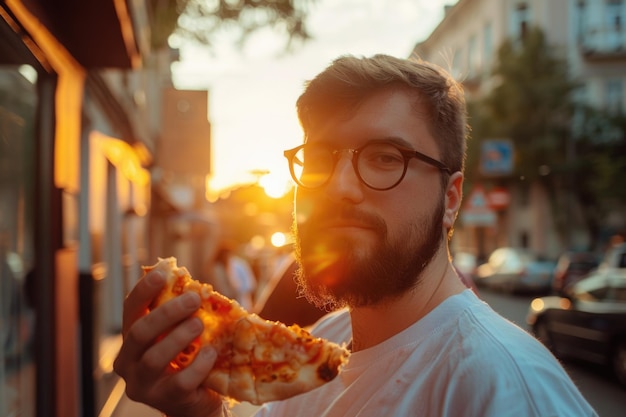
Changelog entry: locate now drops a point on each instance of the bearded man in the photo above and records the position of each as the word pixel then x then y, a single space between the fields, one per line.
pixel 379 185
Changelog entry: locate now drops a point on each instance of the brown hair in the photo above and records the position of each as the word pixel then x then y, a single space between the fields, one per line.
pixel 349 80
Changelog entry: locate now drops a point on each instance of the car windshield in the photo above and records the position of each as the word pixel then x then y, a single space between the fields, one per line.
pixel 602 286
pixel 582 266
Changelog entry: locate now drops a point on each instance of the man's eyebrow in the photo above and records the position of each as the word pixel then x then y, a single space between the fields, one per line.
pixel 394 140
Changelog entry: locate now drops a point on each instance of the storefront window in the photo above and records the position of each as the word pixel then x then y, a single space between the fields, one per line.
pixel 18 103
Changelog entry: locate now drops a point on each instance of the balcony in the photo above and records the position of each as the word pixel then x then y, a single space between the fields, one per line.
pixel 603 44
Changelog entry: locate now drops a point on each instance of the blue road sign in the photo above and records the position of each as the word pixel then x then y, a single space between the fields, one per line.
pixel 496 157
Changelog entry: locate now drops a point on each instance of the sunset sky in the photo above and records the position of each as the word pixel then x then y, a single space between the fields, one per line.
pixel 252 92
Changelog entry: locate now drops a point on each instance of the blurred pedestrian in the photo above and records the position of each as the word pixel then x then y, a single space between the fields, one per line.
pixel 232 276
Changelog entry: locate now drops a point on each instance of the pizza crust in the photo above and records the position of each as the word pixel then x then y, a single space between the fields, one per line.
pixel 258 360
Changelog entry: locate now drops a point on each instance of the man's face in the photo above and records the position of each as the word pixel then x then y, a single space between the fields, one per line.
pixel 357 246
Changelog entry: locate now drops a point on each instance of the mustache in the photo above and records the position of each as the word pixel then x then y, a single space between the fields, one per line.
pixel 342 212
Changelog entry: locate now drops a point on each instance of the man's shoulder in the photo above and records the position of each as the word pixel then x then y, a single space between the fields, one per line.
pixel 475 337
pixel 502 364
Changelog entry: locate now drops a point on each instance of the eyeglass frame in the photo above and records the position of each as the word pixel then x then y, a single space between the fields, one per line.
pixel 407 155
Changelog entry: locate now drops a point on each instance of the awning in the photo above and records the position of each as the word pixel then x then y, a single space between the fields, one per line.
pixel 97 33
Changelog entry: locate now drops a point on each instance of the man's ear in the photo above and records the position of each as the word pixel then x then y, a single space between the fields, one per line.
pixel 454 195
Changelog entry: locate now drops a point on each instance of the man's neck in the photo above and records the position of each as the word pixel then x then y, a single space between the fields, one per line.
pixel 375 324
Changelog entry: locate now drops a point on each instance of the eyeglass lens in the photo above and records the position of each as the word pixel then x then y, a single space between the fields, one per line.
pixel 379 165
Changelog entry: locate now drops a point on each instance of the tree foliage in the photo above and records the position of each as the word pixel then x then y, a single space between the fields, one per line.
pixel 574 151
pixel 199 20
pixel 532 104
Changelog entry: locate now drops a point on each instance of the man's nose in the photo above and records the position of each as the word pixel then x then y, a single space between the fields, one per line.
pixel 344 184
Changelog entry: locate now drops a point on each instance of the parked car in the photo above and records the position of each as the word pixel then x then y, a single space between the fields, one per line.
pixel 515 270
pixel 615 257
pixel 589 324
pixel 571 267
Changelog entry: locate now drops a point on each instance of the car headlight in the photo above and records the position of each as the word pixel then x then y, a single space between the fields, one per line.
pixel 537 305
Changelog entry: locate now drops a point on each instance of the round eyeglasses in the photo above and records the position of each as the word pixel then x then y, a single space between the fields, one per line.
pixel 379 164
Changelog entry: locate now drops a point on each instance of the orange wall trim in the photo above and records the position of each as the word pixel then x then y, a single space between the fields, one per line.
pixel 68 98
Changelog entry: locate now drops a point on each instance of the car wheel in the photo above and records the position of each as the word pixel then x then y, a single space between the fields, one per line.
pixel 543 334
pixel 619 361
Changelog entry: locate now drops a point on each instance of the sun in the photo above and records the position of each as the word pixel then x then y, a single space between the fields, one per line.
pixel 275 185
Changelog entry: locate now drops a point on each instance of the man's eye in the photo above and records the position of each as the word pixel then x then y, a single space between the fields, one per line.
pixel 389 158
pixel 384 159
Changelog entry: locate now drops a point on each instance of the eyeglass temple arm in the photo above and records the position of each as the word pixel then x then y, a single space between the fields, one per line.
pixel 431 161
pixel 290 154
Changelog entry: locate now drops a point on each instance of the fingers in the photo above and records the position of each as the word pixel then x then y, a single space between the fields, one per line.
pixel 144 331
pixel 186 387
pixel 141 296
pixel 157 358
pixel 194 375
pixel 152 339
pixel 176 393
pixel 165 316
pixel 151 364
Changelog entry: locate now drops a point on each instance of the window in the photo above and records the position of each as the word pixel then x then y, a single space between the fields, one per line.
pixel 487 46
pixel 18 103
pixel 614 20
pixel 473 59
pixel 581 20
pixel 614 94
pixel 521 20
pixel 614 15
pixel 524 239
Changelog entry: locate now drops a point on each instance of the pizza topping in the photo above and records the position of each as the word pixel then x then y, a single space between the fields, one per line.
pixel 258 360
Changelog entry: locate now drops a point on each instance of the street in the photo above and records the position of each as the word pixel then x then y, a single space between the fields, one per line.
pixel 597 385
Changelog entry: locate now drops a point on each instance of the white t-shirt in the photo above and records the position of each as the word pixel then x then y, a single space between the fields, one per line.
pixel 462 359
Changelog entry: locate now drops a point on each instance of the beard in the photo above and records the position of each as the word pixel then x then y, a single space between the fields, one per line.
pixel 333 274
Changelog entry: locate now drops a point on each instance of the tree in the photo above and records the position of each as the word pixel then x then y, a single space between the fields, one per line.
pixel 600 143
pixel 199 20
pixel 533 106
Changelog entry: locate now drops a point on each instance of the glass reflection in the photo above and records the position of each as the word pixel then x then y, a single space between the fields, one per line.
pixel 18 102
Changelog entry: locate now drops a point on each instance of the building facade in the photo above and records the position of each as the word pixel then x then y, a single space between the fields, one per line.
pixel 80 113
pixel 589 35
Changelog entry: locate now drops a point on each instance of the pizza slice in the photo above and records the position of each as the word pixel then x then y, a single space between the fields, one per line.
pixel 258 360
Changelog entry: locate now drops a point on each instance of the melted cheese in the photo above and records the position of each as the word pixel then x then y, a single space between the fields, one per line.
pixel 258 360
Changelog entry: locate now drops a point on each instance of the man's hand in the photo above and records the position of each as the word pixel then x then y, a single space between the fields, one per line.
pixel 144 358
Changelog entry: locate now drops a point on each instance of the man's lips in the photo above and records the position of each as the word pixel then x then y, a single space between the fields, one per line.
pixel 344 224
pixel 340 218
